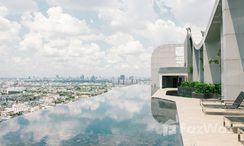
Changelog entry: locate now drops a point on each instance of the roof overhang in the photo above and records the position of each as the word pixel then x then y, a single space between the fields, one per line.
pixel 212 32
pixel 172 70
pixel 214 26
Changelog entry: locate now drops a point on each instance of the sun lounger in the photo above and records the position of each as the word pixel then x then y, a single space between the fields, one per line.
pixel 221 111
pixel 239 132
pixel 222 102
pixel 233 122
pixel 215 101
pixel 226 109
pixel 234 105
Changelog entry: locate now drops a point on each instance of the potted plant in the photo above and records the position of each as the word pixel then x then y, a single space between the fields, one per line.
pixel 201 91
pixel 217 91
pixel 186 88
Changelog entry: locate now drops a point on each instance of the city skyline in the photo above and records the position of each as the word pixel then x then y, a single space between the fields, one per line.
pixel 107 38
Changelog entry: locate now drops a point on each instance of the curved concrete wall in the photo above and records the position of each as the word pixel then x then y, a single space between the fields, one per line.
pixel 233 47
pixel 225 31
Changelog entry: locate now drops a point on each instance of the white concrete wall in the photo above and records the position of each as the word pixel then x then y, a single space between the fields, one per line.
pixel 233 47
pixel 163 56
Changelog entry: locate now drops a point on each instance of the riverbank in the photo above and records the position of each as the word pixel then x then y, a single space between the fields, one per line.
pixel 36 98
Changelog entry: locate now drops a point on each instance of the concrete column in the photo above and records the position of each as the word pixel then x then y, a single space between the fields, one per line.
pixel 232 47
pixel 188 53
pixel 195 56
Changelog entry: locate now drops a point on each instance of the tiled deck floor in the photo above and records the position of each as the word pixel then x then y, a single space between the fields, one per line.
pixel 197 128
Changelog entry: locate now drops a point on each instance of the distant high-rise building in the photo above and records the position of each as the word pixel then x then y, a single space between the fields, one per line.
pixel 131 78
pixel 82 77
pixel 93 78
pixel 121 78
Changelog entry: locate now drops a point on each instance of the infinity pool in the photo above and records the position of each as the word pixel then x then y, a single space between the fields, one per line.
pixel 123 116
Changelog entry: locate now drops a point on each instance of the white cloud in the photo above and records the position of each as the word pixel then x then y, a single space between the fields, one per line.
pixel 20 60
pixel 131 16
pixel 73 50
pixel 31 41
pixel 57 35
pixel 189 11
pixel 55 24
pixel 126 53
pixel 115 17
pixel 161 31
pixel 3 11
pixel 84 4
pixel 103 37
pixel 19 6
pixel 9 31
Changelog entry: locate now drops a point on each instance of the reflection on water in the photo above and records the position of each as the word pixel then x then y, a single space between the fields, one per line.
pixel 164 111
pixel 121 117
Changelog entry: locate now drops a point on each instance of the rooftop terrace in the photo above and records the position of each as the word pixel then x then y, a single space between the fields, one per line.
pixel 197 128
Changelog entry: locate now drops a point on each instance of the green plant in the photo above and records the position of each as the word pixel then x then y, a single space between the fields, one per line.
pixel 213 61
pixel 184 84
pixel 217 89
pixel 188 84
pixel 217 59
pixel 211 88
pixel 199 88
pixel 202 88
pixel 190 69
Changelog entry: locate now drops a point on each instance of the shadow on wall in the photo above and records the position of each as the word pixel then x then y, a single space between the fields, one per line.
pixel 199 63
pixel 237 16
pixel 197 60
pixel 212 50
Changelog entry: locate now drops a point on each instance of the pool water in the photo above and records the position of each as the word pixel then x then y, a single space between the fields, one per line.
pixel 123 116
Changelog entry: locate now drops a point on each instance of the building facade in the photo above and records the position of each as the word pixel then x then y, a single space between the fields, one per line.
pixel 218 58
pixel 167 66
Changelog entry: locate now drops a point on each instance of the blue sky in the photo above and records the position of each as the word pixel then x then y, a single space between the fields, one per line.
pixel 100 37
